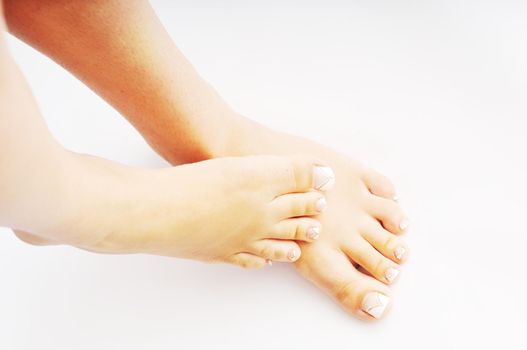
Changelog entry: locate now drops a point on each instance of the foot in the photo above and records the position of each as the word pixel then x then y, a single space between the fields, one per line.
pixel 360 253
pixel 247 211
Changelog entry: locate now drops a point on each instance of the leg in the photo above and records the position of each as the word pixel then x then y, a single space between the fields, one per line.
pixel 123 53
pixel 244 210
pixel 168 101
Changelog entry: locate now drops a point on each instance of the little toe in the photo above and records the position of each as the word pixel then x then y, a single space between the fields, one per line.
pixel 248 261
pixel 362 252
pixel 276 250
pixel 386 243
pixel 379 185
pixel 359 294
pixel 297 229
pixel 389 213
pixel 299 204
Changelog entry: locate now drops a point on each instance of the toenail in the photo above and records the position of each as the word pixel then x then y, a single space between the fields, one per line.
pixel 321 205
pixel 313 232
pixel 403 225
pixel 399 253
pixel 269 262
pixel 375 303
pixel 396 198
pixel 324 178
pixel 293 254
pixel 391 274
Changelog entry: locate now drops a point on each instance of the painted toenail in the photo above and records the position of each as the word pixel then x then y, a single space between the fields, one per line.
pixel 391 274
pixel 399 253
pixel 324 178
pixel 321 205
pixel 404 224
pixel 375 303
pixel 293 254
pixel 313 232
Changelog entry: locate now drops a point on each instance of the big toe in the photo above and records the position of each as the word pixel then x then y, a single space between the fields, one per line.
pixel 361 295
pixel 296 174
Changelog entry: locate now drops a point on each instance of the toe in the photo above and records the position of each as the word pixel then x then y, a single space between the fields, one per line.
pixel 389 213
pixel 375 303
pixel 379 185
pixel 248 261
pixel 298 229
pixel 385 242
pixel 323 178
pixel 298 204
pixel 276 250
pixel 359 294
pixel 300 174
pixel 362 252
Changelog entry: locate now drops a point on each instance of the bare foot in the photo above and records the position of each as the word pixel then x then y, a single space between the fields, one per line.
pixel 360 253
pixel 246 210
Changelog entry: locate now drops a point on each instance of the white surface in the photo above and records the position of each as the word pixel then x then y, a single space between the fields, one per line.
pixel 432 93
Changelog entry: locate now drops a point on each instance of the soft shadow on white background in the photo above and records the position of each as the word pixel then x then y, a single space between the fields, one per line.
pixel 430 93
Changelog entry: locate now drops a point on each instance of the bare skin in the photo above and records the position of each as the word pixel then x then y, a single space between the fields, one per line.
pixel 241 210
pixel 123 53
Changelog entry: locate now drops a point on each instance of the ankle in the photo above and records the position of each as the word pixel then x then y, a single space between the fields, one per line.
pixel 91 191
pixel 248 137
pixel 238 136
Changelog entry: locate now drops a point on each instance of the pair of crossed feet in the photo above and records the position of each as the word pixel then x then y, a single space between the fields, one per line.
pixel 341 232
pixel 354 257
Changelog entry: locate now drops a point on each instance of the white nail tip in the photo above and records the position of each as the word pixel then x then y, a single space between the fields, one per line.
pixel 324 178
pixel 391 274
pixel 314 232
pixel 399 253
pixel 375 303
pixel 321 204
pixel 404 224
pixel 293 255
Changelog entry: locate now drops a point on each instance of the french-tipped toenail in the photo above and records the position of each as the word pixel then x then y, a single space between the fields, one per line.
pixel 321 205
pixel 403 225
pixel 293 254
pixel 375 303
pixel 269 262
pixel 399 253
pixel 313 232
pixel 324 178
pixel 391 274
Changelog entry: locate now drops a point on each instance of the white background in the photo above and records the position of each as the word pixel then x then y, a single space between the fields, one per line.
pixel 432 93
